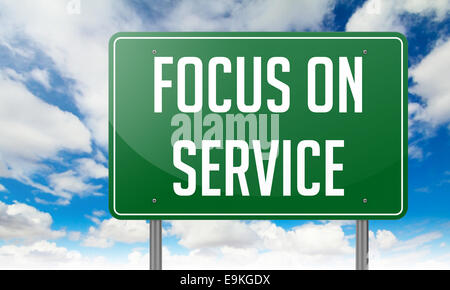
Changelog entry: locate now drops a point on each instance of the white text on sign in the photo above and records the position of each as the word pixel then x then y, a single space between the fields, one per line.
pixel 265 177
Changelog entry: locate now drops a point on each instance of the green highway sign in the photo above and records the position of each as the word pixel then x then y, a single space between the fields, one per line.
pixel 258 125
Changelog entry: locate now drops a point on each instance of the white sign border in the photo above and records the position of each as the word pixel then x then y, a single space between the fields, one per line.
pixel 355 215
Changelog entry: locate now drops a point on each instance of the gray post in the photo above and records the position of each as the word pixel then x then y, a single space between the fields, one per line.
pixel 155 245
pixel 362 245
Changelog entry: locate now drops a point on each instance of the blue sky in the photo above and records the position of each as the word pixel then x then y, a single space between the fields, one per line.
pixel 53 145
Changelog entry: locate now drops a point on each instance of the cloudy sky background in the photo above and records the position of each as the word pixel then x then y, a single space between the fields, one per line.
pixel 53 139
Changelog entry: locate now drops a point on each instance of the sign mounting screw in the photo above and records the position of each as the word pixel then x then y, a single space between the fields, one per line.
pixel 364 200
pixel 154 51
pixel 154 200
pixel 365 51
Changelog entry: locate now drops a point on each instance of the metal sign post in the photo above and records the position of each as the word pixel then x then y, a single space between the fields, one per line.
pixel 155 245
pixel 362 245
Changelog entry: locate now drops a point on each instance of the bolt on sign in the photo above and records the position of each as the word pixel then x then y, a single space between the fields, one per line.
pixel 258 125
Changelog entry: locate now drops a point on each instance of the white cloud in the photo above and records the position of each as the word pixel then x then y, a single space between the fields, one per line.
pixel 95 217
pixel 19 221
pixel 388 252
pixel 430 84
pixel 438 9
pixel 309 246
pixel 99 213
pixel 416 128
pixel 77 46
pixel 48 255
pixel 63 185
pixel 208 233
pixel 251 258
pixel 412 260
pixel 383 239
pixel 88 168
pixel 113 230
pixel 41 254
pixel 33 131
pixel 415 152
pixel 41 76
pixel 255 15
pixel 430 77
pixel 69 183
pixel 385 15
pixel 418 241
pixel 16 50
pixel 100 157
pixel 13 75
pixel 74 236
pixel 307 239
pixel 376 15
pixel 76 181
pixel 3 188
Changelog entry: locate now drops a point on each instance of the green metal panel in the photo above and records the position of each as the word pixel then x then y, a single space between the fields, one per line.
pixel 374 156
